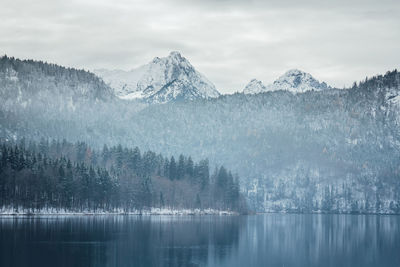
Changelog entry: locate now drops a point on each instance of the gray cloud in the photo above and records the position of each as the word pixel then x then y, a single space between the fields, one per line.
pixel 230 41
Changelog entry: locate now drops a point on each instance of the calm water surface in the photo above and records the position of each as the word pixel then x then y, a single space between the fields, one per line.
pixel 260 240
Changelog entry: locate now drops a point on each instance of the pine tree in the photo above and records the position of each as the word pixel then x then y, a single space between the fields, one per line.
pixel 136 160
pixel 172 169
pixel 181 167
pixel 189 167
pixel 119 157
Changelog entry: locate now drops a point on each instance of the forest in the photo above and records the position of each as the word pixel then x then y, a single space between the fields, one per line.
pixel 335 150
pixel 53 176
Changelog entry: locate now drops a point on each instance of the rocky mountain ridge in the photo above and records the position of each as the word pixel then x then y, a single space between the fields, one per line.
pixel 163 80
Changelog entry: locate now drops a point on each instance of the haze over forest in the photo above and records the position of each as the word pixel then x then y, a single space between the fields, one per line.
pixel 296 145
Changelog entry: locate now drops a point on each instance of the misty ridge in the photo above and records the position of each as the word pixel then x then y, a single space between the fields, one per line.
pixel 297 145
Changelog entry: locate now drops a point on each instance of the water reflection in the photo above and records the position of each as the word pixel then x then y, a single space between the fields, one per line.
pixel 117 240
pixel 263 240
pixel 318 240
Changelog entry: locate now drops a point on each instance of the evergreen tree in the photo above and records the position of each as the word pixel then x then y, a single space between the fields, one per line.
pixel 173 173
pixel 181 167
pixel 189 167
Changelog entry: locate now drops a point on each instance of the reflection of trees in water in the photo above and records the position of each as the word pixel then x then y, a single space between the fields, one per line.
pixel 177 241
pixel 324 239
pixel 265 240
pixel 117 240
pixel 318 240
pixel 51 241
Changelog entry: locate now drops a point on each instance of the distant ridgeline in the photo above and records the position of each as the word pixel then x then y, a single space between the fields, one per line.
pixel 298 146
pixel 25 79
pixel 75 178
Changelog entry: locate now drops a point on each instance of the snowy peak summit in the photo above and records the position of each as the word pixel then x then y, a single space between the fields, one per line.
pixel 166 79
pixel 297 81
pixel 294 80
pixel 254 86
pixel 174 57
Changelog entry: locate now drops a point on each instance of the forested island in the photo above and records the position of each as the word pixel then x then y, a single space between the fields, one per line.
pixel 61 177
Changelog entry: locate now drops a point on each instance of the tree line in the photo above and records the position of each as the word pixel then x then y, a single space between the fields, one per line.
pixel 61 175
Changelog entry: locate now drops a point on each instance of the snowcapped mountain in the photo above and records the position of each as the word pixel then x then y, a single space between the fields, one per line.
pixel 171 78
pixel 254 86
pixel 295 81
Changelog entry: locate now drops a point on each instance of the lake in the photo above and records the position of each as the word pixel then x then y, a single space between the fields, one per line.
pixel 257 240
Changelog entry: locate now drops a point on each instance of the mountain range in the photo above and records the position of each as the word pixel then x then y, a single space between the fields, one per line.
pixel 315 150
pixel 173 78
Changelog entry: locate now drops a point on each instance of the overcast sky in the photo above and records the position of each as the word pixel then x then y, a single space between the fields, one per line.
pixel 229 41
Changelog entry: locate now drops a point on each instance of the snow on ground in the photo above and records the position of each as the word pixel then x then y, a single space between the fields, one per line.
pixel 153 211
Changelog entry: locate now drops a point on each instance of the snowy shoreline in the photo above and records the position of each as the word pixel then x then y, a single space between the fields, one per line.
pixel 152 211
pixel 319 212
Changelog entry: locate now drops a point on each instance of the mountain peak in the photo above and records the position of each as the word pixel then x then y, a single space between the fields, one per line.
pixel 293 80
pixel 254 86
pixel 295 72
pixel 175 54
pixel 162 80
pixel 295 77
pixel 297 81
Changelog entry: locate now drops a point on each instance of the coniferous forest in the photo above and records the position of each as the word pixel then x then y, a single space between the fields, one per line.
pixel 61 176
pixel 333 151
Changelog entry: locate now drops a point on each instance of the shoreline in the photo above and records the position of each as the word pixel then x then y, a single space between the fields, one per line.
pixel 148 212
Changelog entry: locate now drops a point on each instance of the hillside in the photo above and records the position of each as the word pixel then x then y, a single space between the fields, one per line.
pixel 327 150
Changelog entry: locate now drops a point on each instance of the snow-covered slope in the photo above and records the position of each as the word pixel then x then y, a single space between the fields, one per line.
pixel 294 81
pixel 162 80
